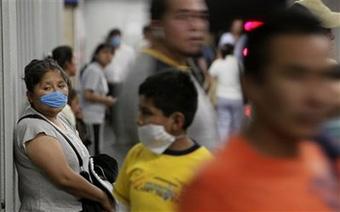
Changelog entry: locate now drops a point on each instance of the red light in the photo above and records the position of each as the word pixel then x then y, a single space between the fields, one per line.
pixel 245 52
pixel 251 25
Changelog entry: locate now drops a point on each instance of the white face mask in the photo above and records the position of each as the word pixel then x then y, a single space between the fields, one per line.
pixel 155 138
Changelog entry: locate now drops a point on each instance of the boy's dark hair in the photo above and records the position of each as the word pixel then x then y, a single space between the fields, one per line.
pixel 36 70
pixel 158 9
pixel 62 54
pixel 172 91
pixel 285 22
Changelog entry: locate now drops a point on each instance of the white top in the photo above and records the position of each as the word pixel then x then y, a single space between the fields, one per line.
pixel 228 77
pixel 36 191
pixel 93 79
pixel 118 69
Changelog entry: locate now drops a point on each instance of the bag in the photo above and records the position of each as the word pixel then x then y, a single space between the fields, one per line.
pixel 103 171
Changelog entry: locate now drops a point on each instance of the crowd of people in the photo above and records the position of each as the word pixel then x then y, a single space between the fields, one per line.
pixel 180 102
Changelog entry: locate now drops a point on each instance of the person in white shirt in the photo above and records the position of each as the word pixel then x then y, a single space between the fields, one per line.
pixel 94 98
pixel 229 108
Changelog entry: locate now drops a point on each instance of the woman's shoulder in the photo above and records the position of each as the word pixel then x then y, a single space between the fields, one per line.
pixel 29 117
pixel 91 69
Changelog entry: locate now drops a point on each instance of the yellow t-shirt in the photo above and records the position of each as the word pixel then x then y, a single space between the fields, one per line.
pixel 150 182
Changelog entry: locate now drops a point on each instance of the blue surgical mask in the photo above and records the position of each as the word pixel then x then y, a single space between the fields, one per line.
pixel 116 41
pixel 54 99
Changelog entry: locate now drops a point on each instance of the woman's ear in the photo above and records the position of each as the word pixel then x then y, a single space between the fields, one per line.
pixel 178 122
pixel 29 96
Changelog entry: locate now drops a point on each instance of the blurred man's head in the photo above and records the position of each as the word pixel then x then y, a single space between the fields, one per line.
pixel 287 74
pixel 180 25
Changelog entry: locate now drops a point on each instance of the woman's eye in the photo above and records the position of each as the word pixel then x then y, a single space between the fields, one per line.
pixel 62 85
pixel 47 88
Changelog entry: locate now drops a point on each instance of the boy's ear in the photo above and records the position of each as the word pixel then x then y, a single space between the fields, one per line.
pixel 178 122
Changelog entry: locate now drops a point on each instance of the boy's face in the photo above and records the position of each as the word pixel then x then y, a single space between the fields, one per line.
pixel 149 114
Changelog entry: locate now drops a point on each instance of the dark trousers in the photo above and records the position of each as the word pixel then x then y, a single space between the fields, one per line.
pixel 96 133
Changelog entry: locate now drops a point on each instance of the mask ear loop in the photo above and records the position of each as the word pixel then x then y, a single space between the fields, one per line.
pixel 181 136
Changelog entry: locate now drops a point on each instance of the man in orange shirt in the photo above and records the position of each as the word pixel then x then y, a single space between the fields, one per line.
pixel 271 165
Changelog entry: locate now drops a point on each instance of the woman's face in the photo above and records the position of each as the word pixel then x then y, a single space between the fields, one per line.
pixel 52 81
pixel 104 56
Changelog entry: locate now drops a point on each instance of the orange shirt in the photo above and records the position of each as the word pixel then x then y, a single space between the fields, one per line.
pixel 242 179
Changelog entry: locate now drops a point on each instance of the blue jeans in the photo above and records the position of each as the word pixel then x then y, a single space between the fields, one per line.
pixel 229 117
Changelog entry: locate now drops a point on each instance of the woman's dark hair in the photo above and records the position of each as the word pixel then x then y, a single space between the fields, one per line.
pixel 36 70
pixel 227 49
pixel 72 94
pixel 99 48
pixel 62 54
pixel 172 91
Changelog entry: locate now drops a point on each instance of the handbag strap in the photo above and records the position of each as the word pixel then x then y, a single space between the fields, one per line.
pixel 36 116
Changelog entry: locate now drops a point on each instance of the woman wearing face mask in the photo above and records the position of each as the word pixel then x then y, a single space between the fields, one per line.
pixel 48 167
pixel 94 98
pixel 156 169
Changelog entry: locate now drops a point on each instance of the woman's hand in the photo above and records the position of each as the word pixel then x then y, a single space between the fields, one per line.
pixel 110 101
pixel 106 203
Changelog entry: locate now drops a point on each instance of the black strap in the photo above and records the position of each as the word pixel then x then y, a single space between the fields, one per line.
pixel 36 116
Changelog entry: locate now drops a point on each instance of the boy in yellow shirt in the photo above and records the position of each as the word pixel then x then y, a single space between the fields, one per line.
pixel 156 169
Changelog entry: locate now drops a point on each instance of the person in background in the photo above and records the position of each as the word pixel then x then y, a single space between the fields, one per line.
pixel 229 107
pixel 47 166
pixel 124 57
pixel 273 165
pixel 156 169
pixel 234 34
pixel 117 71
pixel 63 55
pixel 65 58
pixel 94 95
pixel 147 37
pixel 175 40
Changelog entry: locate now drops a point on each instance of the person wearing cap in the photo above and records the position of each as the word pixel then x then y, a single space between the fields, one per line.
pixel 328 18
pixel 329 139
pixel 273 164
